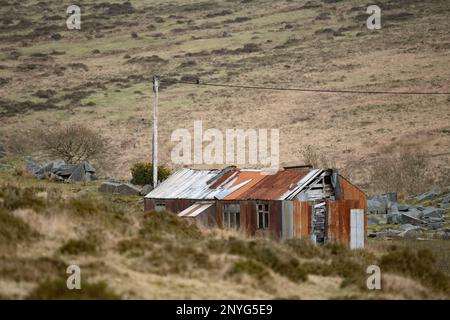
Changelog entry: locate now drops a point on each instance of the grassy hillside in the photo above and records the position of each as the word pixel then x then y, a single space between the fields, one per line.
pixel 124 253
pixel 101 75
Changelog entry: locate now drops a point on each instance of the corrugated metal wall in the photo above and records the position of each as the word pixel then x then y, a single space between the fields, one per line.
pixel 337 223
pixel 302 218
pixel 249 221
pixel 287 218
pixel 175 205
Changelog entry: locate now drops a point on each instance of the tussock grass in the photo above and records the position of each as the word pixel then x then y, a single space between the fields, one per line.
pixel 157 224
pixel 77 247
pixel 13 229
pixel 173 258
pixel 13 197
pixel 417 264
pixel 250 267
pixel 57 290
pixel 262 252
pixel 31 269
pixel 159 244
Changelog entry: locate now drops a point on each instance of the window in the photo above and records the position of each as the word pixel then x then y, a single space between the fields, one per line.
pixel 160 206
pixel 231 216
pixel 263 216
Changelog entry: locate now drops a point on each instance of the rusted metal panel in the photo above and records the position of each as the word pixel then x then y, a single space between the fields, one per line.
pixel 305 219
pixel 338 220
pixel 275 186
pixel 350 191
pixel 245 181
pixel 248 217
pixel 302 219
pixel 287 192
pixel 233 184
pixel 172 205
pixel 297 218
pixel 149 204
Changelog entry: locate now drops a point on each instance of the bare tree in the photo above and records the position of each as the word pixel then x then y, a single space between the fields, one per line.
pixel 312 156
pixel 73 143
pixel 406 173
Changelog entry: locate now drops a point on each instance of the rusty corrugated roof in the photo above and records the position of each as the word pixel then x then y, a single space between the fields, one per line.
pixel 273 187
pixel 232 183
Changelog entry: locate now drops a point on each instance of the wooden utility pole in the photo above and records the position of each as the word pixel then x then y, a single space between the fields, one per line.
pixel 155 131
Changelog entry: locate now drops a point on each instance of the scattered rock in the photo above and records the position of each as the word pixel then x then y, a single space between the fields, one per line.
pixel 372 220
pixel 78 174
pixel 406 218
pixel 376 207
pixel 58 170
pixel 146 189
pixel 432 212
pixel 404 207
pixel 119 188
pixel 128 189
pixel 406 227
pixel 410 233
pixel 414 212
pixel 394 218
pixel 88 167
pixel 383 204
pixel 33 167
pixel 428 218
pixel 108 187
pixel 445 202
pixel 51 166
pixel 390 233
pixel 431 195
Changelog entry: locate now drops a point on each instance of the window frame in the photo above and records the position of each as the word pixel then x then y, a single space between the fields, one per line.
pixel 264 210
pixel 229 216
pixel 160 206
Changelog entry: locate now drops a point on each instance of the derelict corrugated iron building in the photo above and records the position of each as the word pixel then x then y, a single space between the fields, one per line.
pixel 295 202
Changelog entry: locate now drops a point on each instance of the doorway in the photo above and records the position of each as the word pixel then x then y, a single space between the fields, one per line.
pixel 356 228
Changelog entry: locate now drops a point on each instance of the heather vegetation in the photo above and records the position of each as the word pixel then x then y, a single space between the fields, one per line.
pixel 126 253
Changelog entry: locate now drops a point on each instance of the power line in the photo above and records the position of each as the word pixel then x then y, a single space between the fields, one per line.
pixel 199 83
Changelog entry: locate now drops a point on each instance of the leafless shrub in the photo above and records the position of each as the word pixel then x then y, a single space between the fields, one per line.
pixel 20 143
pixel 73 143
pixel 312 156
pixel 405 173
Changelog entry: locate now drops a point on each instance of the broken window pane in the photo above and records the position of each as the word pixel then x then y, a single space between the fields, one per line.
pixel 260 220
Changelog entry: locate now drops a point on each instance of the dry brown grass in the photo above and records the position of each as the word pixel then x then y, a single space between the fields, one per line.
pixel 351 129
pixel 157 256
pixel 90 80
